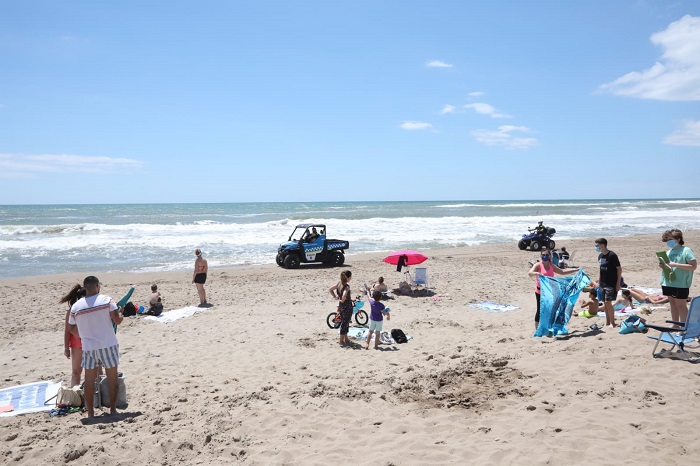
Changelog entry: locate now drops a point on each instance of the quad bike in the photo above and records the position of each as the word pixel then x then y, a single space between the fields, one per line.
pixel 537 238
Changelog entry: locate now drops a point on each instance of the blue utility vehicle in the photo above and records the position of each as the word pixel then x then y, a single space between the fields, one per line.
pixel 308 244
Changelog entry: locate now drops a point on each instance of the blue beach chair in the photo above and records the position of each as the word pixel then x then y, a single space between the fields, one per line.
pixel 687 334
pixel 421 277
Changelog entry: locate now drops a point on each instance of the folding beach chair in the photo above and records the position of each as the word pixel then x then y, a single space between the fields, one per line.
pixel 421 277
pixel 687 334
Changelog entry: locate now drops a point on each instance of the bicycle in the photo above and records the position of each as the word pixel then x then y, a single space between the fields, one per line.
pixel 361 317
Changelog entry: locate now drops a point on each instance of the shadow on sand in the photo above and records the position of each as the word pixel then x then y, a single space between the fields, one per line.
pixel 106 418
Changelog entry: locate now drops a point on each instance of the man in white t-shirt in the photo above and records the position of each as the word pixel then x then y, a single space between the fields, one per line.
pixel 91 319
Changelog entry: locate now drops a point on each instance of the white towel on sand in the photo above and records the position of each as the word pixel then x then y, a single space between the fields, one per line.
pixel 176 314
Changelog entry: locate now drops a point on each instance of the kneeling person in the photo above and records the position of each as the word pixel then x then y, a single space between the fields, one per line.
pixel 91 319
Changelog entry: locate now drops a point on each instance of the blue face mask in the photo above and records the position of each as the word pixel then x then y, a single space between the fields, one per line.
pixel 597 249
pixel 671 243
pixel 545 258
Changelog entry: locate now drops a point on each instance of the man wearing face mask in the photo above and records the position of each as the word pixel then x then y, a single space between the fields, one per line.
pixel 610 276
pixel 682 262
pixel 546 268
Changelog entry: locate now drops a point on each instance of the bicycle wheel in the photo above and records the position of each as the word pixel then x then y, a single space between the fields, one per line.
pixel 361 318
pixel 331 321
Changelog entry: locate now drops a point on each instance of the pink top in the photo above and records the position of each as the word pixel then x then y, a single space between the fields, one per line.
pixel 546 273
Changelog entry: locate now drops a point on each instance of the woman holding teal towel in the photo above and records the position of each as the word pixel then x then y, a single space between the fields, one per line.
pixel 682 262
pixel 544 267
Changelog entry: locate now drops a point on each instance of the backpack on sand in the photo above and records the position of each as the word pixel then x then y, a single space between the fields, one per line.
pixel 398 335
pixel 129 309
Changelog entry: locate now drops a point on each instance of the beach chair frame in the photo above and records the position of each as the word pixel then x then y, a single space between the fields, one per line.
pixel 418 278
pixel 687 334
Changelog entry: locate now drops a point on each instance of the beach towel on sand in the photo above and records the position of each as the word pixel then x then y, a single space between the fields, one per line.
pixel 493 307
pixel 558 297
pixel 176 314
pixel 29 398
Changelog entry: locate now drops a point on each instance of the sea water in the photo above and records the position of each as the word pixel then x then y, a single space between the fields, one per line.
pixel 46 239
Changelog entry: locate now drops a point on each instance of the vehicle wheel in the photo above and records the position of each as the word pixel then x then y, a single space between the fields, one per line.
pixel 361 318
pixel 338 259
pixel 535 246
pixel 331 322
pixel 291 261
pixel 522 245
pixel 279 260
pixel 551 245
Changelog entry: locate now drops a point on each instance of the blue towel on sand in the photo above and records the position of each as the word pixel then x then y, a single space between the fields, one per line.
pixel 558 297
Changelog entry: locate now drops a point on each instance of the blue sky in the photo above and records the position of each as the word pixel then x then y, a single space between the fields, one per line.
pixel 232 101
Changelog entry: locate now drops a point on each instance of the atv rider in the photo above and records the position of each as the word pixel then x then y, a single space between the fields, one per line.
pixel 541 229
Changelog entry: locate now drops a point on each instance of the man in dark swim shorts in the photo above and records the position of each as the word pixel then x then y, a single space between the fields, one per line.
pixel 610 276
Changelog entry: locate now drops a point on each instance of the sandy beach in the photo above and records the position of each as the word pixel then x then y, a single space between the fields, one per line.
pixel 260 379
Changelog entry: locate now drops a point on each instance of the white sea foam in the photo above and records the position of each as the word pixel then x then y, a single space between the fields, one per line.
pixel 165 240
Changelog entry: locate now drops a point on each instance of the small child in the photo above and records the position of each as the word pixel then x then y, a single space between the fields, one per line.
pixel 156 304
pixel 155 295
pixel 590 307
pixel 624 301
pixel 376 317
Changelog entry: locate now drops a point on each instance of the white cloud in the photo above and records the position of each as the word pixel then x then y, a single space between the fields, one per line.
pixel 503 138
pixel 437 64
pixel 676 76
pixel 415 125
pixel 447 109
pixel 689 135
pixel 475 94
pixel 18 165
pixel 486 109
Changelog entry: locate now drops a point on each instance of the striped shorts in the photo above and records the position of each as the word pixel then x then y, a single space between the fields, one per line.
pixel 108 357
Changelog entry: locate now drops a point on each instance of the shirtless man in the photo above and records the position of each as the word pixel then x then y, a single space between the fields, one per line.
pixel 199 277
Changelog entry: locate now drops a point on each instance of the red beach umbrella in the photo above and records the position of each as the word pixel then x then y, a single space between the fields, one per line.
pixel 411 257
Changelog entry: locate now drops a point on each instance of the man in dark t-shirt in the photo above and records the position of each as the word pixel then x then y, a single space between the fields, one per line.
pixel 609 281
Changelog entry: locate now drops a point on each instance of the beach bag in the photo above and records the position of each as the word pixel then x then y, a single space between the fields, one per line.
pixel 129 309
pixel 104 391
pixel 70 396
pixel 385 339
pixel 398 335
pixel 633 324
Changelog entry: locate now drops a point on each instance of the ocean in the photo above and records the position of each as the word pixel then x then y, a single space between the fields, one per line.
pixel 47 239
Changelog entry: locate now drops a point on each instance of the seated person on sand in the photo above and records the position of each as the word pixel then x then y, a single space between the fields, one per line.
pixel 380 286
pixel 623 301
pixel 155 302
pixel 591 305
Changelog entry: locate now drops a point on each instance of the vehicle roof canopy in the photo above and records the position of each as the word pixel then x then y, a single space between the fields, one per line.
pixel 307 225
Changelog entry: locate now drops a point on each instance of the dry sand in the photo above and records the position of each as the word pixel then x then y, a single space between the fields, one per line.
pixel 260 379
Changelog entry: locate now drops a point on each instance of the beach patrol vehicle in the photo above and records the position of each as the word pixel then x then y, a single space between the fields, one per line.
pixel 311 246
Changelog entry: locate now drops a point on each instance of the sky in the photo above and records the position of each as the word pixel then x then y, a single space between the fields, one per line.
pixel 308 100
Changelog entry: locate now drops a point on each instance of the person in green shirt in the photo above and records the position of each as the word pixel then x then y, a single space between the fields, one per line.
pixel 682 261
